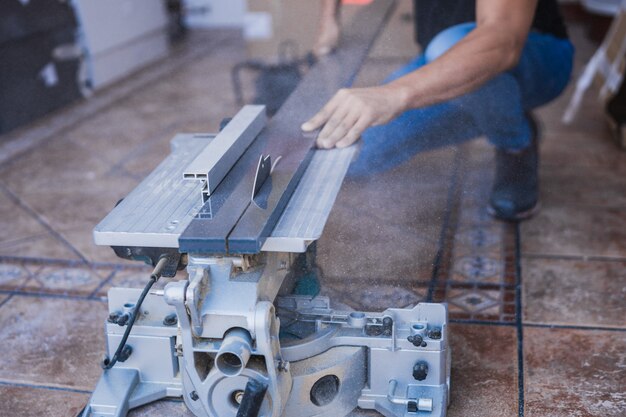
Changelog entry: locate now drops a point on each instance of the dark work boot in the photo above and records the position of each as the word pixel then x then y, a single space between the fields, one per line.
pixel 515 193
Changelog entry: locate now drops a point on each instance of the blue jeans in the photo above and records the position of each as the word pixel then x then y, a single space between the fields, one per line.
pixel 497 109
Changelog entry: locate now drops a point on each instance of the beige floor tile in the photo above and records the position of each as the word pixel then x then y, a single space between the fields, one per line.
pixel 574 292
pixel 4 298
pixel 484 371
pixel 52 341
pixel 387 227
pixel 113 134
pixel 82 239
pixel 577 231
pixel 65 184
pixel 571 186
pixel 20 401
pixel 64 279
pixel 17 224
pixel 589 152
pixel 44 246
pixel 574 373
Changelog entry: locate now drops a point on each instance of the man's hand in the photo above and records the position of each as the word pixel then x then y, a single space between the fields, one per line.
pixel 329 31
pixel 327 38
pixel 346 116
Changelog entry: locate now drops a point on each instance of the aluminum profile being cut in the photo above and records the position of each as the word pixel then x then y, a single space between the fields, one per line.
pixel 218 157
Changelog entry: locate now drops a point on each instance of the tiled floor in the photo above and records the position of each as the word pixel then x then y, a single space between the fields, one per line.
pixel 539 310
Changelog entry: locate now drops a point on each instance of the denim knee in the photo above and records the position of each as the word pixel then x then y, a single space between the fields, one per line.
pixel 446 39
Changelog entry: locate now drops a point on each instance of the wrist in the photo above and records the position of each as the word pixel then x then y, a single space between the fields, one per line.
pixel 401 96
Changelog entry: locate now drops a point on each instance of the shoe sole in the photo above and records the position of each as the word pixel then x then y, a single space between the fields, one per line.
pixel 524 215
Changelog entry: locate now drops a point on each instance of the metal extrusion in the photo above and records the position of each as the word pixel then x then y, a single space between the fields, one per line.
pixel 212 164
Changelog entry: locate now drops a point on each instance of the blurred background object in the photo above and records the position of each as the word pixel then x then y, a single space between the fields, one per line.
pixel 33 81
pixel 606 69
pixel 120 36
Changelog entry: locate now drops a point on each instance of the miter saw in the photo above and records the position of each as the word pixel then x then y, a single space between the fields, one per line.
pixel 231 339
pixel 241 210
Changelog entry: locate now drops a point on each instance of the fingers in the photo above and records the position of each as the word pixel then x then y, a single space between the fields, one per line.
pixel 328 37
pixel 337 127
pixel 343 118
pixel 354 133
pixel 320 118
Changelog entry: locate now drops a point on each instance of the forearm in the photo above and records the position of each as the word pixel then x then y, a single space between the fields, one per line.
pixel 493 47
pixel 330 9
pixel 328 32
pixel 481 55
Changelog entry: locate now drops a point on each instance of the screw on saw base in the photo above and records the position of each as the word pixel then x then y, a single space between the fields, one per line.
pixel 373 330
pixel 170 320
pixel 194 396
pixel 416 340
pixel 118 317
pixel 387 326
pixel 114 317
pixel 420 370
pixel 283 366
pixel 123 319
pixel 435 333
pixel 386 329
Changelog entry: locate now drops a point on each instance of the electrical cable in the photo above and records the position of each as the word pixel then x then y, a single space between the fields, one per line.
pixel 154 277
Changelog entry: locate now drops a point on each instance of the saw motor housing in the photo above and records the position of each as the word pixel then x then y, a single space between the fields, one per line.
pixel 228 336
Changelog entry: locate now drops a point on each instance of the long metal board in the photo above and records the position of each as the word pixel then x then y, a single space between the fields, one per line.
pixel 212 164
pixel 251 224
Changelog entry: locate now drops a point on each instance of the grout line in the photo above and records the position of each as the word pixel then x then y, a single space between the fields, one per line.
pixel 438 259
pixel 518 321
pixel 25 239
pixel 38 294
pixel 104 282
pixel 584 258
pixel 41 261
pixel 483 322
pixel 74 262
pixel 6 300
pixel 574 327
pixel 47 387
pixel 18 201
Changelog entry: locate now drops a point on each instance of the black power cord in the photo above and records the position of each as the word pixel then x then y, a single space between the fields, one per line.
pixel 123 352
